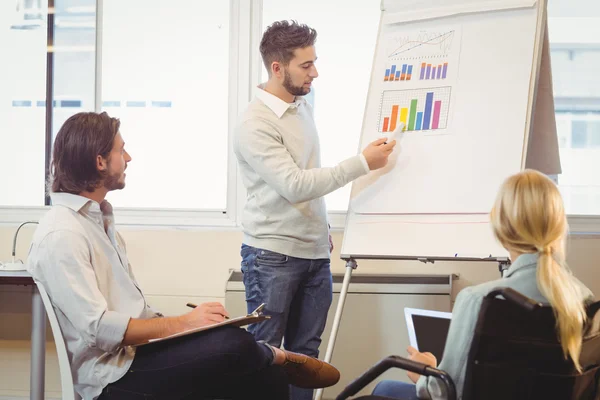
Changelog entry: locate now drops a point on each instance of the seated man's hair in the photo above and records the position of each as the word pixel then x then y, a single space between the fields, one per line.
pixel 81 139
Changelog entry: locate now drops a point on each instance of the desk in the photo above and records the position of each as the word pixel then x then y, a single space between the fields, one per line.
pixel 38 331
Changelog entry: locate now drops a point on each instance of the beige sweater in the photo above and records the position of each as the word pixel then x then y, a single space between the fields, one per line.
pixel 277 148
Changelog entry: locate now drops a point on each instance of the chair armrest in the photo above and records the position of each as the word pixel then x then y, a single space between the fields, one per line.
pixel 515 297
pixel 402 363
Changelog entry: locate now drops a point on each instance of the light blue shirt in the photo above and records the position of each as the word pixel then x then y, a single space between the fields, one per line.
pixel 521 276
pixel 81 261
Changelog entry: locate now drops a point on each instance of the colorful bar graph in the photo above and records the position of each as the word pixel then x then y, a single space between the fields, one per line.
pixel 403 76
pixel 387 75
pixel 409 73
pixel 397 75
pixel 423 66
pixel 435 124
pixel 428 73
pixel 433 73
pixel 417 109
pixel 439 72
pixel 444 70
pixel 393 72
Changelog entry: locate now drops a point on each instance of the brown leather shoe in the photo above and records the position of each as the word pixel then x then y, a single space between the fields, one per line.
pixel 308 372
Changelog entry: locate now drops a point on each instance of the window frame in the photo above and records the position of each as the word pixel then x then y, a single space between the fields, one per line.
pixel 242 16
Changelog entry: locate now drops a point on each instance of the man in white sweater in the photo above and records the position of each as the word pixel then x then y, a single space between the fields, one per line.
pixel 286 246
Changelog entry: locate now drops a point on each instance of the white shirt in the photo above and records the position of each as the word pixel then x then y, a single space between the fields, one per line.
pixel 81 261
pixel 277 147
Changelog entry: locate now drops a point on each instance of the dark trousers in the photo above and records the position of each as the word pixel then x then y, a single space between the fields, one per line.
pixel 224 363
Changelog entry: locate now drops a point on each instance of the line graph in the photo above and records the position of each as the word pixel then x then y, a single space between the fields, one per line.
pixel 434 42
pixel 430 46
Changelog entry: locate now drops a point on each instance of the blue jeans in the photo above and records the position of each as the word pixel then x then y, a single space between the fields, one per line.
pixel 396 390
pixel 297 293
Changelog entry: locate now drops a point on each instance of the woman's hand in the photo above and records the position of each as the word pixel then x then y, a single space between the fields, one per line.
pixel 423 358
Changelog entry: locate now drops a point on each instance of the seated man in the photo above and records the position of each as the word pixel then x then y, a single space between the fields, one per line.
pixel 80 259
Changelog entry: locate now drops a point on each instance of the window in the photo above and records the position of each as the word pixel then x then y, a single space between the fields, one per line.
pixel 22 100
pixel 23 36
pixel 579 144
pixel 574 31
pixel 593 130
pixel 579 134
pixel 165 74
pixel 74 48
pixel 164 70
pixel 345 48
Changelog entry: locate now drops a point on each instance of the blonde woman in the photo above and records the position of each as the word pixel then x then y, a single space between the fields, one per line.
pixel 529 220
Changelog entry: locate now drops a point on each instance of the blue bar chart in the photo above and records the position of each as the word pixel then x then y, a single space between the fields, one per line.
pixel 400 72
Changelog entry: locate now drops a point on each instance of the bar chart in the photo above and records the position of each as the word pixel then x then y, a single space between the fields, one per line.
pixel 404 72
pixel 401 72
pixel 418 109
pixel 433 71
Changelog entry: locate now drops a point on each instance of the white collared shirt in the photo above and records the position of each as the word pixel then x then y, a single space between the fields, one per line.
pixel 277 148
pixel 81 261
pixel 278 106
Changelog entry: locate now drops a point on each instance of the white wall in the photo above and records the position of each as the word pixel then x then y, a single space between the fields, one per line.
pixel 175 267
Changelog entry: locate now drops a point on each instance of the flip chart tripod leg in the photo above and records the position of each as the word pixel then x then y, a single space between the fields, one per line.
pixel 350 265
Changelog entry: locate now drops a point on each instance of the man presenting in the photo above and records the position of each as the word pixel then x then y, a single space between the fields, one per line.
pixel 286 246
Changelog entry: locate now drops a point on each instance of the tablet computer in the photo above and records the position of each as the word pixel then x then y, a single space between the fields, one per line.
pixel 427 330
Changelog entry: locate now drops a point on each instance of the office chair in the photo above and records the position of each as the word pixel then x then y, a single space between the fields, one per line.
pixel 515 354
pixel 66 379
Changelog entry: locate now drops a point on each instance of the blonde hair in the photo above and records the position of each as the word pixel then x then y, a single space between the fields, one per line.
pixel 529 217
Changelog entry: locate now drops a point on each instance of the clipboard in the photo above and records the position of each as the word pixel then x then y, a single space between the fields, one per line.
pixel 254 317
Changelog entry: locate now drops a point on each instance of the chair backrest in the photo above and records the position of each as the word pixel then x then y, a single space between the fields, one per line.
pixel 66 378
pixel 516 355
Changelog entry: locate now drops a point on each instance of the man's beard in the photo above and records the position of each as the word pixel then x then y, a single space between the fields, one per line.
pixel 293 90
pixel 112 182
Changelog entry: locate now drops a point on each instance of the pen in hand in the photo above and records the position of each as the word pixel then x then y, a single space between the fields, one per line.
pixel 192 305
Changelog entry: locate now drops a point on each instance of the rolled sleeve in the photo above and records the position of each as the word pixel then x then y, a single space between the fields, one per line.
pixel 64 267
pixel 111 331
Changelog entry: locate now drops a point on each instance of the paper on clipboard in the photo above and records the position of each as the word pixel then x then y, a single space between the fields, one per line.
pixel 253 317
